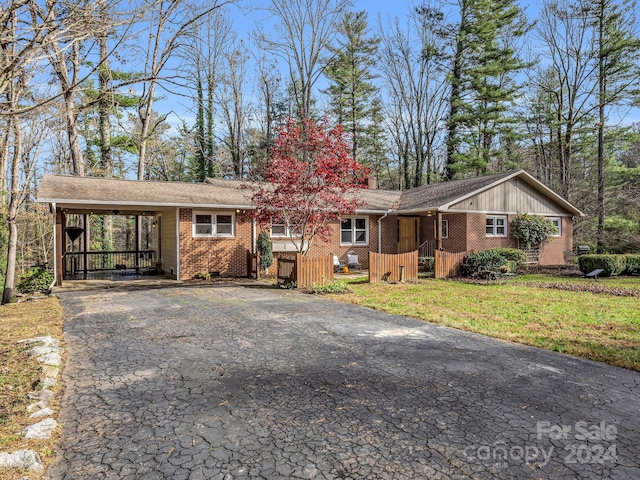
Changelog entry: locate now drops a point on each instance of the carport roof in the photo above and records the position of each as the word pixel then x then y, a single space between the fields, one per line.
pixel 111 193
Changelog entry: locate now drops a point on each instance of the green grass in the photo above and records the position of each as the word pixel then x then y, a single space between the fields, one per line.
pixel 600 327
pixel 623 282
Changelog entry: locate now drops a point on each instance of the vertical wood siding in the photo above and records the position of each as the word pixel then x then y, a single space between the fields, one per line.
pixel 448 264
pixel 386 267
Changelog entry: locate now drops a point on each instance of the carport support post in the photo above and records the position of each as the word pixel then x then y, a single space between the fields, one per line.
pixel 137 243
pixel 85 261
pixel 439 230
pixel 60 242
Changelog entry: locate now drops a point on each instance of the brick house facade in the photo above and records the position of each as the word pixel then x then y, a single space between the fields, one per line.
pixel 202 229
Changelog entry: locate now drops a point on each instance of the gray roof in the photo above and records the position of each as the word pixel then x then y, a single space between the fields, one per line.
pixel 435 195
pixel 96 191
pixel 111 191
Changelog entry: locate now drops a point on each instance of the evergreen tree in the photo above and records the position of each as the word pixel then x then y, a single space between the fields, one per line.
pixel 483 83
pixel 352 94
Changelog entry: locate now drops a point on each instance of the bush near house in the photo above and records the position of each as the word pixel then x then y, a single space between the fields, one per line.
pixel 505 260
pixel 36 280
pixel 611 264
pixel 632 265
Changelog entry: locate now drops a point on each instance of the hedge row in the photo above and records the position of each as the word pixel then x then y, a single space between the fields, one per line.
pixel 506 260
pixel 611 264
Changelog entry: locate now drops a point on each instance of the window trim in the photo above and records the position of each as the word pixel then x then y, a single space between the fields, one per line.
pixel 213 216
pixel 445 228
pixel 353 230
pixel 558 226
pixel 495 226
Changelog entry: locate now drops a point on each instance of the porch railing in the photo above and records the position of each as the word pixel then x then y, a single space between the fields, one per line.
pixel 426 249
pixel 75 262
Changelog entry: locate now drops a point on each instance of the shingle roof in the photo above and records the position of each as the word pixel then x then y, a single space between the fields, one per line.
pixel 71 189
pixel 228 193
pixel 437 194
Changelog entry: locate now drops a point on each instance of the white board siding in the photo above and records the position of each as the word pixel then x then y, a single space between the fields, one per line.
pixel 512 196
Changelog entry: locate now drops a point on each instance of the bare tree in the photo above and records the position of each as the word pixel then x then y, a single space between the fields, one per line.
pixel 417 88
pixel 169 23
pixel 568 81
pixel 231 100
pixel 303 31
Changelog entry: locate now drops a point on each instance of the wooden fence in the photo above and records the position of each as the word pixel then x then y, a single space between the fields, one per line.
pixel 447 264
pixel 386 267
pixel 305 271
pixel 253 265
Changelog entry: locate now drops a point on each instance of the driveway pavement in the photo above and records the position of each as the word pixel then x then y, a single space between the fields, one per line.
pixel 234 382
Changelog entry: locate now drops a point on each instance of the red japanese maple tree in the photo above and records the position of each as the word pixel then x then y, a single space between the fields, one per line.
pixel 311 181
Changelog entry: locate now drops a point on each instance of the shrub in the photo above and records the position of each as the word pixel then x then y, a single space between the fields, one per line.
pixel 512 254
pixel 487 259
pixel 264 247
pixel 632 265
pixel 428 264
pixel 334 286
pixel 532 231
pixel 202 275
pixel 611 264
pixel 37 279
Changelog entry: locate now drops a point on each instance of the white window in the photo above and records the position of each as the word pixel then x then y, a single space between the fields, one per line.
pixel 206 224
pixel 283 230
pixel 557 221
pixel 354 231
pixel 496 226
pixel 445 228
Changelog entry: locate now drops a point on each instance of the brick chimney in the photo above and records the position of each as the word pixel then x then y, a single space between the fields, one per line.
pixel 372 183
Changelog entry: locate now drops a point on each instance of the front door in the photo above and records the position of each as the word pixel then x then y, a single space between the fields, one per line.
pixel 408 233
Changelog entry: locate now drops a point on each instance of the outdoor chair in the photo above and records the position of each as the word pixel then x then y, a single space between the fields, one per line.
pixel 352 261
pixel 338 266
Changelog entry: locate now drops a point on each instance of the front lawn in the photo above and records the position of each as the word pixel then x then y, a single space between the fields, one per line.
pixel 589 325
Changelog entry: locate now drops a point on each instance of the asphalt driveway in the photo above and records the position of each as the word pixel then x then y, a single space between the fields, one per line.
pixel 237 382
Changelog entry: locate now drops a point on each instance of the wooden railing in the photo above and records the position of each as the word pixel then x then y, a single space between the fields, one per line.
pixel 253 265
pixel 389 267
pixel 426 249
pixel 75 262
pixel 447 264
pixel 305 271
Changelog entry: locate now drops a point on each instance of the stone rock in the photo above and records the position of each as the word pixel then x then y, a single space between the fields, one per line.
pixel 45 412
pixel 21 459
pixel 41 430
pixel 41 395
pixel 50 359
pixel 50 372
pixel 43 350
pixel 37 406
pixel 48 382
pixel 47 341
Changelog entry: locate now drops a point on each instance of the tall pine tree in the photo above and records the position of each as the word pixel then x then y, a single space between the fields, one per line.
pixel 352 94
pixel 484 87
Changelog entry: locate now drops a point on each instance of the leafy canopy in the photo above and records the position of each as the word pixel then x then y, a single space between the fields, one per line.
pixel 311 181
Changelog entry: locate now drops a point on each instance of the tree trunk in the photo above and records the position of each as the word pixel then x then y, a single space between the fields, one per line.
pixel 14 201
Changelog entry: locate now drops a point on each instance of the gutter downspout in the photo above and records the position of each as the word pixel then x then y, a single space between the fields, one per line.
pixel 255 241
pixel 178 243
pixel 380 230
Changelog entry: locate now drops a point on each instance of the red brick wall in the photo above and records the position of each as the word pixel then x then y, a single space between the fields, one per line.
pixel 320 248
pixel 212 254
pixel 552 253
pixel 457 240
pixel 476 234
